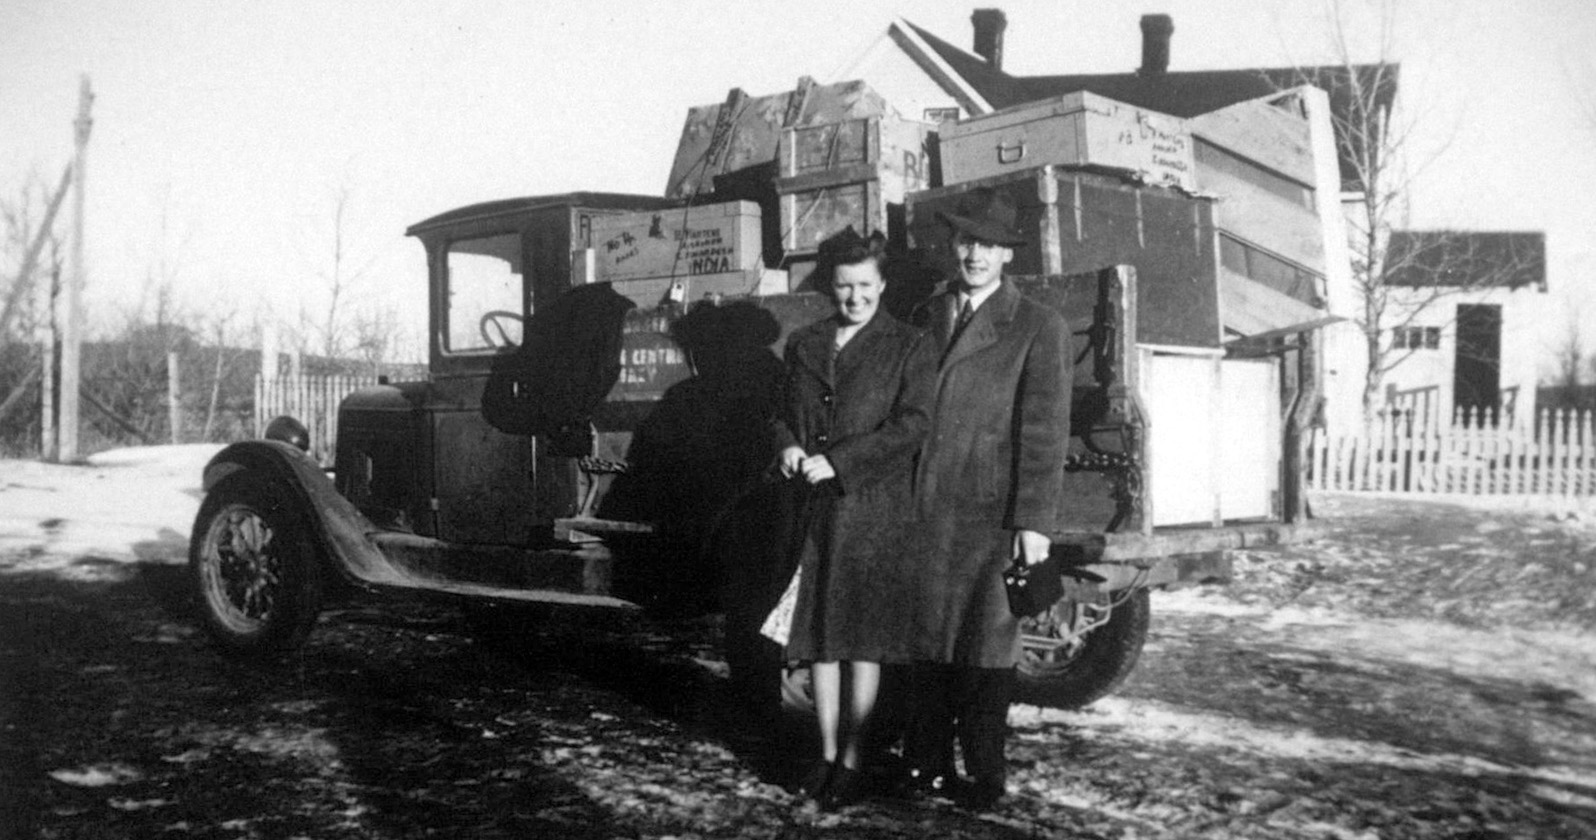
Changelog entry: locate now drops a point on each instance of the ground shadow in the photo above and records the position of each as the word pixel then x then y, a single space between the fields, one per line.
pixel 1232 671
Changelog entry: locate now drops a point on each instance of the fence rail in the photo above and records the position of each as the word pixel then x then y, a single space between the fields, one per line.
pixel 312 400
pixel 1554 456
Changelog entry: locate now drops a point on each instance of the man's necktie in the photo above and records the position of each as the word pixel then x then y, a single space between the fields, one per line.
pixel 966 312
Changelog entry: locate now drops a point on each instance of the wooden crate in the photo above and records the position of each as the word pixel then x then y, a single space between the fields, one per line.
pixel 849 172
pixel 679 242
pixel 743 132
pixel 1075 129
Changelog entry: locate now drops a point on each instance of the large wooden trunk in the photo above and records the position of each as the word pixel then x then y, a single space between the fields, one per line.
pixel 1075 129
pixel 1081 222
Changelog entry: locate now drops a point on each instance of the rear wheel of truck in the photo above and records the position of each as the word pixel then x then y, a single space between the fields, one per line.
pixel 1080 651
pixel 253 567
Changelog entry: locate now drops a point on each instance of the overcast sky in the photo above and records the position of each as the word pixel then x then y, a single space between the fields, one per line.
pixel 223 130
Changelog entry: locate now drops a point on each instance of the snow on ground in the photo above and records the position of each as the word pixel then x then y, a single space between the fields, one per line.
pixel 1448 645
pixel 1522 654
pixel 123 505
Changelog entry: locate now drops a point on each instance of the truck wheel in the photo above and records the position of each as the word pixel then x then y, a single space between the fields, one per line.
pixel 1078 652
pixel 253 567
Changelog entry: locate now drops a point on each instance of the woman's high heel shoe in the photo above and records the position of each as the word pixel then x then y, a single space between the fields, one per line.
pixel 816 782
pixel 844 788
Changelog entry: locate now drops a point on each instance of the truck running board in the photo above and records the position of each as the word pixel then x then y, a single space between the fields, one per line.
pixel 577 576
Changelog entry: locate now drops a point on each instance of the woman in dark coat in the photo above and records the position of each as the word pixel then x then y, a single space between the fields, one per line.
pixel 858 392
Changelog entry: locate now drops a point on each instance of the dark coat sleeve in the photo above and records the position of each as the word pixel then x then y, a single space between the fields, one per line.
pixel 1043 434
pixel 902 432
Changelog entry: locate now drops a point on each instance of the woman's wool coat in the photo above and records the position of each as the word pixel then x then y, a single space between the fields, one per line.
pixel 993 463
pixel 866 407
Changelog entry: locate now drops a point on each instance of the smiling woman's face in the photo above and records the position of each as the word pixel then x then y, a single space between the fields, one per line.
pixel 856 291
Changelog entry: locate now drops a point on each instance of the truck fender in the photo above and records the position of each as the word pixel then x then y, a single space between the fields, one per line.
pixel 339 530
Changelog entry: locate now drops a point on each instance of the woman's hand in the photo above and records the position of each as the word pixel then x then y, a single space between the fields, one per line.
pixel 792 460
pixel 817 468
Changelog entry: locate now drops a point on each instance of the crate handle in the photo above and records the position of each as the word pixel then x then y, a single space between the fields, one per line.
pixel 1011 154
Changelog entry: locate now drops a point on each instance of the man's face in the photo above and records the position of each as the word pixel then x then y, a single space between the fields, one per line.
pixel 980 262
pixel 856 290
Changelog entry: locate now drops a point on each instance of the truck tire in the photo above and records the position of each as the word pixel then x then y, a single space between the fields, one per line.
pixel 256 580
pixel 1066 674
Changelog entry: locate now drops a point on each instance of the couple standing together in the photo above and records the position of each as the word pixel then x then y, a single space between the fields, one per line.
pixel 934 457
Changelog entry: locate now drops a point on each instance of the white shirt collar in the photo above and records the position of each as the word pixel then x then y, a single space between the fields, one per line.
pixel 979 296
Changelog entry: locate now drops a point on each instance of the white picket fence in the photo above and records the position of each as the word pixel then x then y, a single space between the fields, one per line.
pixel 312 400
pixel 1475 455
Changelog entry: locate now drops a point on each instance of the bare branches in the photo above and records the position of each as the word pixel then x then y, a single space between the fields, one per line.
pixel 342 273
pixel 22 237
pixel 1403 280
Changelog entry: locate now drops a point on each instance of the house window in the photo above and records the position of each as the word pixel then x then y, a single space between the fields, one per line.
pixel 941 115
pixel 1416 338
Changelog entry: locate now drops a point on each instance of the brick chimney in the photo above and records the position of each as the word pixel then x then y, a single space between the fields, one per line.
pixel 989 25
pixel 1156 30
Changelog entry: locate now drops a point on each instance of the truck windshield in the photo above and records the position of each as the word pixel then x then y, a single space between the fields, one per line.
pixel 486 302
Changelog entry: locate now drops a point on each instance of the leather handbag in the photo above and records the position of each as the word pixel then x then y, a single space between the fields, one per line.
pixel 1033 589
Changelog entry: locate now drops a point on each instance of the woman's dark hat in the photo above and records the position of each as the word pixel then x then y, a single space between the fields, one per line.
pixel 988 215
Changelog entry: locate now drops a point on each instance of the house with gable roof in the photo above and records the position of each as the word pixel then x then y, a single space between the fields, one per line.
pixel 1265 144
pixel 1464 324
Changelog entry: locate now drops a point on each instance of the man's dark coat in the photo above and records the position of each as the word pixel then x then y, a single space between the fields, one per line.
pixel 993 463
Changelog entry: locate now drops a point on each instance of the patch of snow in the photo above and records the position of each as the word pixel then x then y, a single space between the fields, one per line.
pixel 126 505
pixel 1201 600
pixel 180 458
pixel 1291 615
pixel 1155 721
pixel 124 804
pixel 98 775
pixel 1557 507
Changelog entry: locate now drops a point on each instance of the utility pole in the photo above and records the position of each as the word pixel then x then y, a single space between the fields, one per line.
pixel 50 443
pixel 72 334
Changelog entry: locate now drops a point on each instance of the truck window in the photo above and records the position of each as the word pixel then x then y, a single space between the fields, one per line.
pixel 486 304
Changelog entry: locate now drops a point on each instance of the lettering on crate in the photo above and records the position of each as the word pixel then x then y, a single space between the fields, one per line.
pixel 646 365
pixel 703 251
pixel 657 324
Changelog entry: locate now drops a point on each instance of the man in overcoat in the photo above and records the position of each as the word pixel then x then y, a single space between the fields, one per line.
pixel 987 490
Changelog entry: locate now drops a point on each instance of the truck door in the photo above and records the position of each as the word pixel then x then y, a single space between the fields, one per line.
pixel 484 480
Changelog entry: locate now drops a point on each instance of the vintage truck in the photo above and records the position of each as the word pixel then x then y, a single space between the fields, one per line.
pixel 634 473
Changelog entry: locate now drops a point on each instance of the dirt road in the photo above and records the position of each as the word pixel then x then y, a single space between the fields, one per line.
pixel 1426 671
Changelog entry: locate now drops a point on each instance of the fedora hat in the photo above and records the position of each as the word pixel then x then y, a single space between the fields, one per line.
pixel 988 215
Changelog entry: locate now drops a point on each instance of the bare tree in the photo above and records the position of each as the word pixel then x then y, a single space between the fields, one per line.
pixel 28 235
pixel 1400 279
pixel 377 333
pixel 1369 147
pixel 30 249
pixel 219 330
pixel 340 275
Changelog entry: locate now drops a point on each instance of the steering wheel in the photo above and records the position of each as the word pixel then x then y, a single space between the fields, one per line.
pixel 491 319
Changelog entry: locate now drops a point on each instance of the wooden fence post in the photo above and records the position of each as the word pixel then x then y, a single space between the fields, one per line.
pixel 174 396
